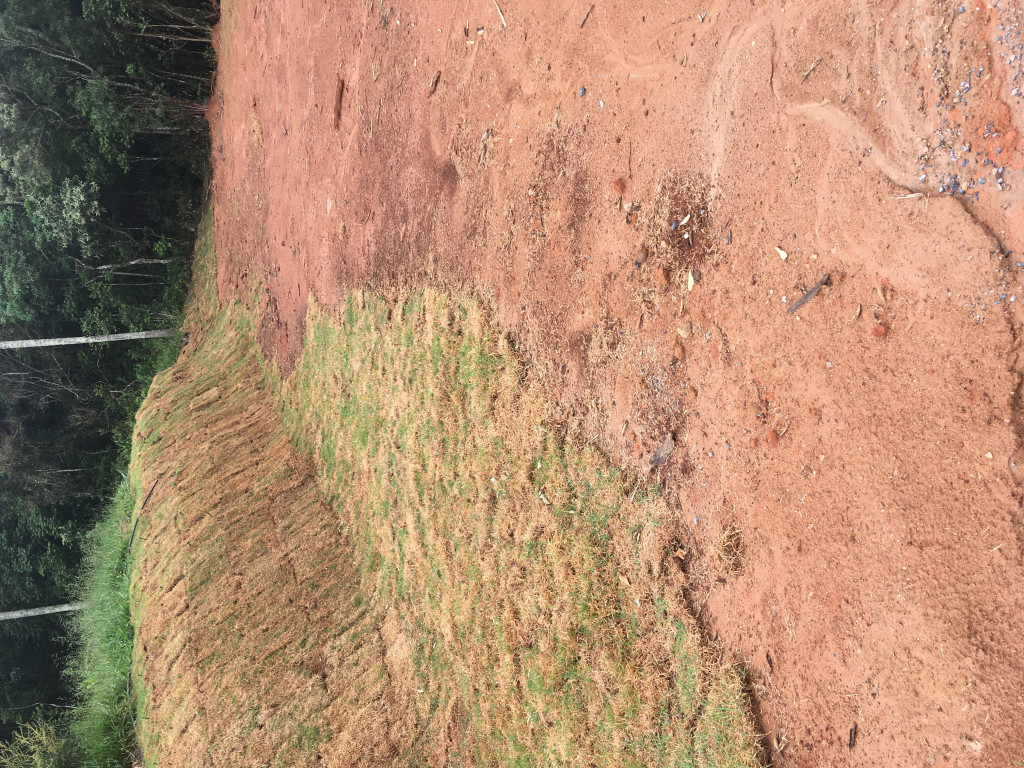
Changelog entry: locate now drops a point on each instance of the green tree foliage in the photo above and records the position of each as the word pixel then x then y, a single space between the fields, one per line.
pixel 39 745
pixel 103 156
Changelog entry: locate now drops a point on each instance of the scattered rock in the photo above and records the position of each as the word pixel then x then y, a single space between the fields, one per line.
pixel 619 185
pixel 773 437
pixel 782 254
pixel 642 255
pixel 661 455
pixel 678 351
pixel 693 278
pixel 685 330
pixel 879 331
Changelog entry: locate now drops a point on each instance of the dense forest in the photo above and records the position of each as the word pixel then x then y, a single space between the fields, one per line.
pixel 103 157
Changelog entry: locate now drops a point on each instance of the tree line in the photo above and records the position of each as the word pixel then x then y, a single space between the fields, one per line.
pixel 104 152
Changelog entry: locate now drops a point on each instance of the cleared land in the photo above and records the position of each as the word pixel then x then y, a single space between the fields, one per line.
pixel 393 558
pixel 864 450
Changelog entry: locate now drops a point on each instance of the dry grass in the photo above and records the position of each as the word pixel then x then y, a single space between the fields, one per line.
pixel 688 246
pixel 526 590
pixel 727 551
pixel 431 578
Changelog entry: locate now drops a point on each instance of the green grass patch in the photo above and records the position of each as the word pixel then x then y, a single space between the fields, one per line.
pixel 512 557
pixel 103 725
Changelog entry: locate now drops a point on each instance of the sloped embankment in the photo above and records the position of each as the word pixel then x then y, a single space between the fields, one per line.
pixel 391 558
pixel 244 584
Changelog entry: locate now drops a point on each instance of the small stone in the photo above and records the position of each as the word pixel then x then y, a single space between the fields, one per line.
pixel 619 185
pixel 662 275
pixel 879 331
pixel 782 254
pixel 773 437
pixel 642 255
pixel 988 455
pixel 678 351
pixel 685 330
pixel 693 279
pixel 661 455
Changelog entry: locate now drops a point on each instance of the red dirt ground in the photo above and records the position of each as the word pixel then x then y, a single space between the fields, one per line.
pixel 867 447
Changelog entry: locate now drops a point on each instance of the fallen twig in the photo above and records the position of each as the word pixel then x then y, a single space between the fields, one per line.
pixel 810 294
pixel 502 15
pixel 587 16
pixel 808 72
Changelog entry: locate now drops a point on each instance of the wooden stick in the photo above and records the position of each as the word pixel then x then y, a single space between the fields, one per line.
pixel 587 16
pixel 808 72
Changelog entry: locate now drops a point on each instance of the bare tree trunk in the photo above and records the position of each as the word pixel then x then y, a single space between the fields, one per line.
pixel 23 614
pixel 25 343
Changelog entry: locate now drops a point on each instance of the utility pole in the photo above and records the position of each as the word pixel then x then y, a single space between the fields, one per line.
pixel 27 612
pixel 26 343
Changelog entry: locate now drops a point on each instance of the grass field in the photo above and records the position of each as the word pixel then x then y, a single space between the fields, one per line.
pixel 530 591
pixel 391 558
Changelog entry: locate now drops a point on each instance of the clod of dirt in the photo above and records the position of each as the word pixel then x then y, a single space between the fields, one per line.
pixel 619 185
pixel 678 351
pixel 773 437
pixel 663 276
pixel 661 455
pixel 338 102
pixel 879 331
pixel 641 256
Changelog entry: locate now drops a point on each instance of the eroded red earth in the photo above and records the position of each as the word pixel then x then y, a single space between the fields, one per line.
pixel 866 447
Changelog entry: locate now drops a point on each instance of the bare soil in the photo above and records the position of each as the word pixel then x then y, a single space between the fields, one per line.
pixel 849 472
